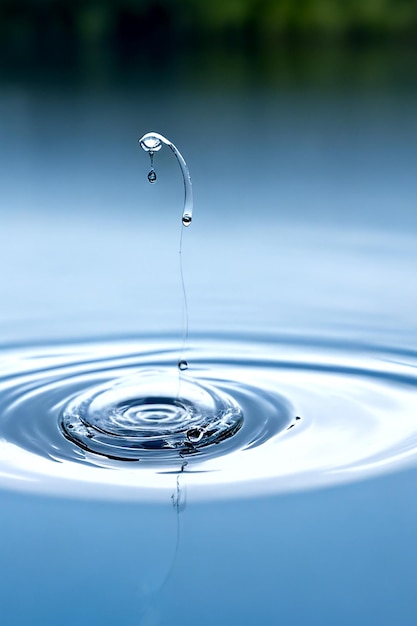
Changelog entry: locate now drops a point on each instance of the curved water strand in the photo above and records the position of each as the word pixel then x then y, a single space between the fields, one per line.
pixel 151 143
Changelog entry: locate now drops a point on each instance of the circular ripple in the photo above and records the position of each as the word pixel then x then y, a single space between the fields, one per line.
pixel 247 417
pixel 154 415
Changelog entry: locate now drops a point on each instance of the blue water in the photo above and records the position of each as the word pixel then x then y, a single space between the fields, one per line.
pixel 303 242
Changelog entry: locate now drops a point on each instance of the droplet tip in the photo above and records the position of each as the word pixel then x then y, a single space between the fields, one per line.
pixel 150 142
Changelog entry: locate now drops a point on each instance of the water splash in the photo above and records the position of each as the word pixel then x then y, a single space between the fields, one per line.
pixel 258 414
pixel 131 418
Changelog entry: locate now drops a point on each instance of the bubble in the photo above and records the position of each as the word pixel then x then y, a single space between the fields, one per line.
pixel 183 365
pixel 194 435
pixel 187 219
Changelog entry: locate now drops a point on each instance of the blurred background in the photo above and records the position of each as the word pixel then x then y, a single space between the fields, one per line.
pixel 104 36
pixel 323 42
pixel 38 30
pixel 298 120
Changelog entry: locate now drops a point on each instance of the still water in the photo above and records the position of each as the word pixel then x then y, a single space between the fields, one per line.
pixel 300 267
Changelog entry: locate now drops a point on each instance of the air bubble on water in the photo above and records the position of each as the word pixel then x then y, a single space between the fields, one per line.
pixel 183 365
pixel 194 435
pixel 152 176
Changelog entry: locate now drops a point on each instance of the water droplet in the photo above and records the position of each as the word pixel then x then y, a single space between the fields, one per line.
pixel 187 219
pixel 194 435
pixel 150 143
pixel 183 365
pixel 152 176
pixel 298 418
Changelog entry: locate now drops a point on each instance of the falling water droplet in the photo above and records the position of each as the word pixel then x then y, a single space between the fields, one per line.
pixel 186 219
pixel 152 176
pixel 183 365
pixel 194 435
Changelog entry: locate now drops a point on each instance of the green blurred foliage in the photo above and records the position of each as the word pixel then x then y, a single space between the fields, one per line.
pixel 30 24
pixel 328 44
pixel 325 41
pixel 292 18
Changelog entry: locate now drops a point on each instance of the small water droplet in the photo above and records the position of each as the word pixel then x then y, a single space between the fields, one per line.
pixel 187 219
pixel 194 435
pixel 70 425
pixel 150 143
pixel 152 176
pixel 183 365
pixel 298 418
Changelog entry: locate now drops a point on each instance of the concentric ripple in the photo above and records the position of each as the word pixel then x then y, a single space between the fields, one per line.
pixel 153 415
pixel 117 419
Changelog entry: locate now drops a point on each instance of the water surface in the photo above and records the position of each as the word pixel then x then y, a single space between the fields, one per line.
pixel 300 267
